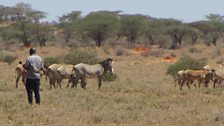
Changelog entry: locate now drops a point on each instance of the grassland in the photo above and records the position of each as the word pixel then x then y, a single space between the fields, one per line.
pixel 143 95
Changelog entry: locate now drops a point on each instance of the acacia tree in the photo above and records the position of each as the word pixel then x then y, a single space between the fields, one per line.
pixel 42 33
pixel 66 24
pixel 24 18
pixel 97 26
pixel 70 17
pixel 154 29
pixel 211 30
pixel 215 18
pixel 2 14
pixel 177 33
pixel 20 11
pixel 132 26
pixel 35 16
pixel 24 31
pixel 194 34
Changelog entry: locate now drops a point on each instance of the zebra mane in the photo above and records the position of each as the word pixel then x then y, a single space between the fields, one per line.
pixel 105 64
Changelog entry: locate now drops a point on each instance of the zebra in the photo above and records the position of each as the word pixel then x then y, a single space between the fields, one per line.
pixel 83 70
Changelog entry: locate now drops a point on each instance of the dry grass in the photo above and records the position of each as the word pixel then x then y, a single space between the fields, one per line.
pixel 142 95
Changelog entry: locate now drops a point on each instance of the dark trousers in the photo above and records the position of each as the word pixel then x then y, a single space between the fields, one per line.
pixel 33 85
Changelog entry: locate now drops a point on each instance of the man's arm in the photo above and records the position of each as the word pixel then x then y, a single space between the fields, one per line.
pixel 26 65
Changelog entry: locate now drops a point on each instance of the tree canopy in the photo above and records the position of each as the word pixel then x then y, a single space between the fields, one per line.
pixel 23 23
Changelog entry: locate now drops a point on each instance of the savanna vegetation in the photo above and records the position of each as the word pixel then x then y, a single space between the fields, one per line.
pixel 147 51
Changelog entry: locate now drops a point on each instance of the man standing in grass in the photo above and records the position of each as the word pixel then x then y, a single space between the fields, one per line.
pixel 33 65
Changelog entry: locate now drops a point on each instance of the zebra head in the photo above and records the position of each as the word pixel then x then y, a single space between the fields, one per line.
pixel 107 65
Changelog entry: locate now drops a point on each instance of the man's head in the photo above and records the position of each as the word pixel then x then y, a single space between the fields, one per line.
pixel 32 51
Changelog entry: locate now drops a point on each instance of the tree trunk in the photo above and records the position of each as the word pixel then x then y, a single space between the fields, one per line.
pixel 194 40
pixel 214 41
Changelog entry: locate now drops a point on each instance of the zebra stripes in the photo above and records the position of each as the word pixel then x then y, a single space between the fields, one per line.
pixel 83 70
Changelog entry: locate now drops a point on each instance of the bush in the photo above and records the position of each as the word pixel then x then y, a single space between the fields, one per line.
pixel 109 77
pixel 50 60
pixel 194 50
pixel 4 57
pixel 120 52
pixel 184 63
pixel 78 56
pixel 9 59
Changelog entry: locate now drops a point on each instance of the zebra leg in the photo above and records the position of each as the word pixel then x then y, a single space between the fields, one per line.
pixel 206 83
pixel 52 82
pixel 83 82
pixel 194 83
pixel 59 83
pixel 74 82
pixel 181 84
pixel 99 81
pixel 215 81
pixel 220 82
pixel 188 85
pixel 72 79
pixel 69 81
pixel 199 83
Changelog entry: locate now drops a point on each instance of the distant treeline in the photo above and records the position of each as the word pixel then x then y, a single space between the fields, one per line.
pixel 21 23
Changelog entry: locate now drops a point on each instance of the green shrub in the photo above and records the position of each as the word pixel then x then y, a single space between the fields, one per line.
pixel 78 56
pixel 9 59
pixel 184 63
pixel 5 57
pixel 109 77
pixel 50 60
pixel 194 50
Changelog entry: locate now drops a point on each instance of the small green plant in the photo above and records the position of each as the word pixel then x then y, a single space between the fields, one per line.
pixel 109 77
pixel 5 57
pixel 78 56
pixel 184 63
pixel 9 59
pixel 194 50
pixel 50 60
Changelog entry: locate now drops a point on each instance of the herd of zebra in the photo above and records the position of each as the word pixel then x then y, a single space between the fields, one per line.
pixel 74 73
pixel 80 72
pixel 203 76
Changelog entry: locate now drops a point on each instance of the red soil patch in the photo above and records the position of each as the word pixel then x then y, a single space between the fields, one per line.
pixel 141 49
pixel 169 59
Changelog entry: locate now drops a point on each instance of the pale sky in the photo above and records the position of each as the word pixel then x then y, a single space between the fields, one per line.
pixel 183 10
